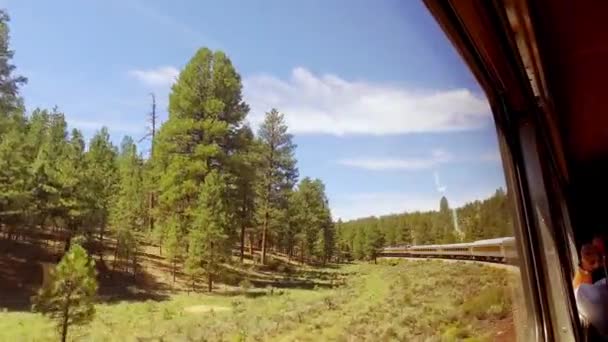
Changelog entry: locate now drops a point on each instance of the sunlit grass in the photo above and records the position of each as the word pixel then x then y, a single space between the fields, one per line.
pixel 411 301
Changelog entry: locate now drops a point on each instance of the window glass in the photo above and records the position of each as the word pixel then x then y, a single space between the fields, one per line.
pixel 251 171
pixel 555 280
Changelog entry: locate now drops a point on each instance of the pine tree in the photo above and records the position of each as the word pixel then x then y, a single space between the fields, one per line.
pixel 13 163
pixel 74 207
pixel 14 194
pixel 40 188
pixel 209 243
pixel 173 250
pixel 243 179
pixel 102 178
pixel 374 241
pixel 359 243
pixel 324 246
pixel 10 101
pixel 127 208
pixel 278 174
pixel 69 296
pixel 206 113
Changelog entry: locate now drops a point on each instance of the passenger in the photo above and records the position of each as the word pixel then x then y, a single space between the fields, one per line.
pixel 590 261
pixel 591 297
pixel 599 242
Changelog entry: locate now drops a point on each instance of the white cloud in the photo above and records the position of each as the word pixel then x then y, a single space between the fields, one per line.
pixel 380 164
pixel 159 77
pixel 331 105
pixel 328 104
pixel 434 159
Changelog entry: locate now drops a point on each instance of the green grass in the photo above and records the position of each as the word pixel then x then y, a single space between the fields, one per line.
pixel 407 301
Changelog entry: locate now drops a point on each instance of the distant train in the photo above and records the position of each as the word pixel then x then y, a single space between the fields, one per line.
pixel 501 250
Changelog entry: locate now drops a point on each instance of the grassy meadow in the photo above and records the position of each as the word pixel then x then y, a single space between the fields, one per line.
pixel 396 300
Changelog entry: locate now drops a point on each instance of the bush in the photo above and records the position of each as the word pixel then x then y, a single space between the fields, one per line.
pixel 499 311
pixel 490 302
pixel 272 264
pixel 237 306
pixel 245 285
pixel 167 314
pixel 455 333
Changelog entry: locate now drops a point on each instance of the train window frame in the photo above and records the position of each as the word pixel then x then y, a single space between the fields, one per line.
pixel 533 328
pixel 548 220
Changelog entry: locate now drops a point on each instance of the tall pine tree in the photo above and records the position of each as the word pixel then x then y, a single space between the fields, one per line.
pixel 278 175
pixel 206 113
pixel 102 177
pixel 127 208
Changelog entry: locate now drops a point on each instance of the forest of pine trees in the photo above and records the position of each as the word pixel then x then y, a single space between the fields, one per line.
pixel 210 187
pixel 489 218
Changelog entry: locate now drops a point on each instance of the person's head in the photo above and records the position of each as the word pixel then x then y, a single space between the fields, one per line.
pixel 590 257
pixel 598 242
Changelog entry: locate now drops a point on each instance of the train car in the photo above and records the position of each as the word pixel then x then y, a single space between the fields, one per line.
pixel 509 251
pixel 495 250
pixel 490 249
pixel 457 250
pixel 425 250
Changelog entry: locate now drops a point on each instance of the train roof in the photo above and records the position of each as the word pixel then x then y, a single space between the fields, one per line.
pixel 456 245
pixel 425 246
pixel 486 242
pixel 492 241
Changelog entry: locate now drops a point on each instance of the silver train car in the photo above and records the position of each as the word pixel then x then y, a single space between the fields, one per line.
pixel 497 250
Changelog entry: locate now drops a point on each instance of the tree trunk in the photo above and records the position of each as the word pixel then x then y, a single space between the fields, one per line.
pixel 173 270
pixel 264 238
pixel 242 242
pixel 210 282
pixel 115 256
pixel 64 324
pixel 151 219
pixel 103 227
pixel 251 244
pixel 127 261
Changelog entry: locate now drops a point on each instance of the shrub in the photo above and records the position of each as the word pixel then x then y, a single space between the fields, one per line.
pixel 237 306
pixel 272 265
pixel 455 333
pixel 167 314
pixel 269 290
pixel 245 285
pixel 490 302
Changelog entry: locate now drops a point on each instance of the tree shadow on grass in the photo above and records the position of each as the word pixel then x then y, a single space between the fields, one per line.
pixel 21 272
pixel 109 295
pixel 117 285
pixel 293 284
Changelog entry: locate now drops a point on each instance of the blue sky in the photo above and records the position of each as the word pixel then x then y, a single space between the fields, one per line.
pixel 382 108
